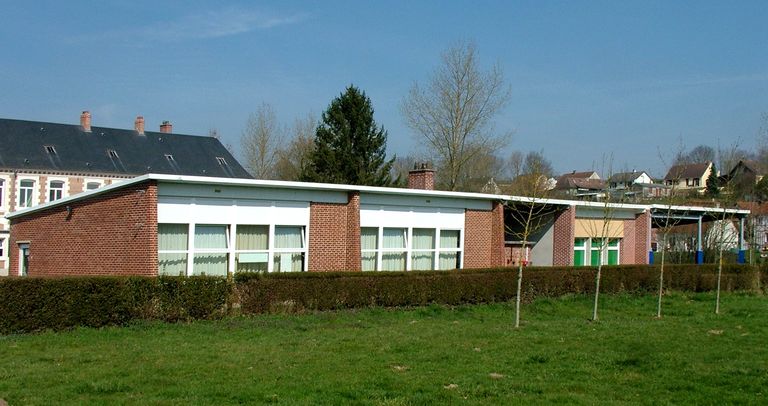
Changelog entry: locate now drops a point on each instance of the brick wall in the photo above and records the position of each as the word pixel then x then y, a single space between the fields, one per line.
pixel 111 234
pixel 484 237
pixel 563 235
pixel 642 243
pixel 334 236
pixel 627 248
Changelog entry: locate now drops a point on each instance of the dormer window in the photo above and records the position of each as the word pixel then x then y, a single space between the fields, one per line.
pixel 50 149
pixel 112 153
pixel 169 157
pixel 221 160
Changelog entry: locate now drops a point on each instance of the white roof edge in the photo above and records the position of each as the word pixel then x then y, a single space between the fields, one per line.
pixel 346 188
pixel 699 208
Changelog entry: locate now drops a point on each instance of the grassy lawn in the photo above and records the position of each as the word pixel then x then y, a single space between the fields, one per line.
pixel 433 355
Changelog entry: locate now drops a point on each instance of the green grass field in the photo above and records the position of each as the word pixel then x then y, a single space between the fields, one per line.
pixel 432 355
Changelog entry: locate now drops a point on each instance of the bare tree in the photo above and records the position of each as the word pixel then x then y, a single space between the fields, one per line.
pixel 453 114
pixel 699 154
pixel 527 171
pixel 260 142
pixel 292 159
pixel 603 232
pixel 528 215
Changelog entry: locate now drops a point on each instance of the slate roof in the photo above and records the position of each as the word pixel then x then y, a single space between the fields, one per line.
pixel 65 148
pixel 577 175
pixel 626 176
pixel 753 166
pixel 686 171
pixel 579 183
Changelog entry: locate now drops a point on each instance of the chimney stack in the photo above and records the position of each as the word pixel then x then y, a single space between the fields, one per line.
pixel 138 125
pixel 166 127
pixel 421 177
pixel 85 121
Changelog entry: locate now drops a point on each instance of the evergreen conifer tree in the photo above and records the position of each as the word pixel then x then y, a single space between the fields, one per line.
pixel 713 183
pixel 349 147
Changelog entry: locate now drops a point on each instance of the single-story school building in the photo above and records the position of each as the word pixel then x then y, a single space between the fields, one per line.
pixel 190 225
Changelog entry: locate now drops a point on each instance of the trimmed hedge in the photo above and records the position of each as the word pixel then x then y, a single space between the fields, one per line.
pixel 34 304
pixel 260 293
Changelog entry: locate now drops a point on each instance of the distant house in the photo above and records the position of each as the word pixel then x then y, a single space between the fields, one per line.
pixel 41 162
pixel 745 174
pixel 582 185
pixel 689 176
pixel 635 184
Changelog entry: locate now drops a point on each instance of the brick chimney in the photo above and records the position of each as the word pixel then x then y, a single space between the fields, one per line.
pixel 166 127
pixel 138 125
pixel 85 121
pixel 421 177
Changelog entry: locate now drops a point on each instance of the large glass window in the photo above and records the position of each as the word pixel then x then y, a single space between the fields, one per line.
pixel 289 249
pixel 423 249
pixel 252 247
pixel 590 251
pixel 172 242
pixel 211 243
pixel 55 190
pixel 450 249
pixel 26 190
pixel 579 251
pixel 369 243
pixel 391 249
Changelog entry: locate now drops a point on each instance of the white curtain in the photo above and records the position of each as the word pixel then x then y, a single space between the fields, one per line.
pixel 393 238
pixel 214 264
pixel 210 237
pixel 423 239
pixel 449 255
pixel 172 237
pixel 369 237
pixel 449 260
pixel 252 238
pixel 289 237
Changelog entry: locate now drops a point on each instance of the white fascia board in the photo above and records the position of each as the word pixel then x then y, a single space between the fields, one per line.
pixel 701 209
pixel 577 203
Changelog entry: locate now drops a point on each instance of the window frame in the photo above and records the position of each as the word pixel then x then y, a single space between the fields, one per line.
pixel 61 190
pixel 2 193
pixel 605 251
pixel 32 190
pixel 231 250
pixel 86 182
pixel 408 250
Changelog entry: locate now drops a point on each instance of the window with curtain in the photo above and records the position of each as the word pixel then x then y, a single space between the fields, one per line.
pixel 450 254
pixel 55 190
pixel 289 249
pixel 210 255
pixel 26 190
pixel 252 245
pixel 423 249
pixel 172 241
pixel 369 244
pixel 393 255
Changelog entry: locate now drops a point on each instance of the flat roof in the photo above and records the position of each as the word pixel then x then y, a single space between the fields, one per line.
pixel 354 188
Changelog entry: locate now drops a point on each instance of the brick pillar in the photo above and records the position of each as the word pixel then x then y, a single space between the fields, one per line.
pixel 642 237
pixel 564 229
pixel 628 243
pixel 354 262
pixel 497 235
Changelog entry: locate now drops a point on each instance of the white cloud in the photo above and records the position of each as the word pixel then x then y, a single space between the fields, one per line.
pixel 215 24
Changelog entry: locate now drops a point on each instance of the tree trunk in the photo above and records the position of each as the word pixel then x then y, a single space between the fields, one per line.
pixel 519 291
pixel 719 273
pixel 661 277
pixel 597 288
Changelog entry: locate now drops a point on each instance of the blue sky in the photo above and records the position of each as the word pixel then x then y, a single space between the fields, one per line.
pixel 588 79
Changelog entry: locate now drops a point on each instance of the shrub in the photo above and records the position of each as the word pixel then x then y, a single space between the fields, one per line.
pixel 34 304
pixel 261 293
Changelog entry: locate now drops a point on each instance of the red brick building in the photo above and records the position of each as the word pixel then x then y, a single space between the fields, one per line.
pixel 165 224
